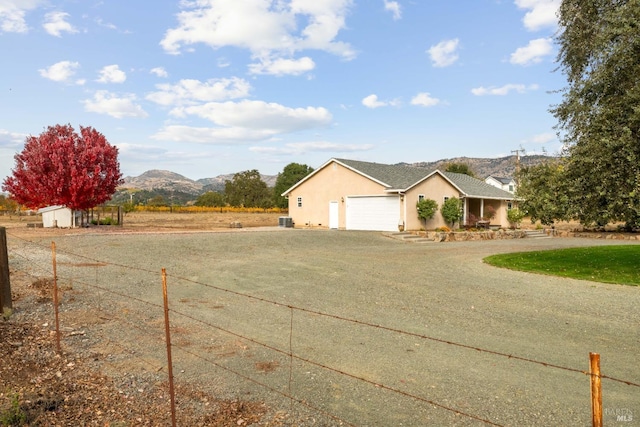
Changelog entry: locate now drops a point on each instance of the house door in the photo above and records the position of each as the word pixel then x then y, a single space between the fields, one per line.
pixel 333 215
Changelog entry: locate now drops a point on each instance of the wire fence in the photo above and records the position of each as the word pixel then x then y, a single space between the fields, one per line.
pixel 314 361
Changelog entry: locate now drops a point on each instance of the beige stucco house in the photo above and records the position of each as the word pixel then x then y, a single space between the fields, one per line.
pixel 356 195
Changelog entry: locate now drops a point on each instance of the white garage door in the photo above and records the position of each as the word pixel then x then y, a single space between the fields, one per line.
pixel 376 213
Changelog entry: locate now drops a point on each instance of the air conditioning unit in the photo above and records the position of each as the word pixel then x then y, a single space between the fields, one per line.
pixel 285 221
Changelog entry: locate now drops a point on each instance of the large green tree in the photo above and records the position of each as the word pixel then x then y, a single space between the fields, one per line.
pixel 290 175
pixel 247 189
pixel 459 168
pixel 599 116
pixel 543 189
pixel 210 198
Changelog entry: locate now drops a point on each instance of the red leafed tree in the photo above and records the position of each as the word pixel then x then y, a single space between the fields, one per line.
pixel 60 167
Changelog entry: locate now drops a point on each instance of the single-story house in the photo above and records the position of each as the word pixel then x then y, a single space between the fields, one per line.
pixel 507 184
pixel 60 216
pixel 356 195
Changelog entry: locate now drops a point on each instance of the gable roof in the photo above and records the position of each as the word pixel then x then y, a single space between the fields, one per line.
pixel 474 187
pixel 401 178
pixel 396 177
pixel 501 179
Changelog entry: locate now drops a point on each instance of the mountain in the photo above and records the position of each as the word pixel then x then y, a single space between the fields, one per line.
pixel 162 180
pixel 154 180
pixel 483 167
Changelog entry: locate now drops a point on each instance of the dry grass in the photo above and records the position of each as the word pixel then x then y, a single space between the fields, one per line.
pixel 150 221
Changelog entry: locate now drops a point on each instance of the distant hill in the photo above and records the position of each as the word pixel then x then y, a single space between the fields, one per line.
pixel 482 168
pixel 154 180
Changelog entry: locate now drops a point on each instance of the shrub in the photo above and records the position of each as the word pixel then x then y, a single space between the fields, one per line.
pixel 15 415
pixel 515 216
pixel 426 208
pixel 105 221
pixel 489 213
pixel 451 210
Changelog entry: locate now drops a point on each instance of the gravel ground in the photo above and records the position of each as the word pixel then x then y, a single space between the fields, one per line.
pixel 231 342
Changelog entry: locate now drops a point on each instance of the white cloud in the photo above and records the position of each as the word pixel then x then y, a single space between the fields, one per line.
pixel 372 101
pixel 267 28
pixel 104 102
pixel 541 14
pixel 13 12
pixel 159 71
pixel 533 52
pixel 104 24
pixel 503 90
pixel 281 66
pixel 299 148
pixel 542 138
pixel 189 91
pixel 60 71
pixel 55 24
pixel 394 8
pixel 444 53
pixel 112 74
pixel 424 99
pixel 243 121
pixel 11 140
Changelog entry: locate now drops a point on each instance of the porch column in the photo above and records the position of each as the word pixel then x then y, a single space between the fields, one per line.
pixel 464 211
pixel 481 208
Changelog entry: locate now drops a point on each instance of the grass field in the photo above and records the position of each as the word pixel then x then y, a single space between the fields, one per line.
pixel 607 264
pixel 164 220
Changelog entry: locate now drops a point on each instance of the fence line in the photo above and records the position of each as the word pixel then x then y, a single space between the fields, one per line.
pixel 355 321
pixel 292 309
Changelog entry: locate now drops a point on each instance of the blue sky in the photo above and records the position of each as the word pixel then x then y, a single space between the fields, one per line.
pixel 210 87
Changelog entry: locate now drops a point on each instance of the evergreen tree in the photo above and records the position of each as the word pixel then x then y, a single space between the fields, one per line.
pixel 599 117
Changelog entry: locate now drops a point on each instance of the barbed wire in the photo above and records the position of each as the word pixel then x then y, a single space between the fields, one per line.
pixel 266 386
pixel 354 321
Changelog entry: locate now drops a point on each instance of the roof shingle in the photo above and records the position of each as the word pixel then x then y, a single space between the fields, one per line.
pixel 400 177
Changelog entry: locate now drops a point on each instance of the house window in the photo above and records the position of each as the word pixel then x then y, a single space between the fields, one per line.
pixel 446 198
pixel 420 197
pixel 299 202
pixel 509 206
pixel 511 188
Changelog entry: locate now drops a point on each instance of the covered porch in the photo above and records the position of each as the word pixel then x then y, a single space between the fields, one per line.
pixel 484 212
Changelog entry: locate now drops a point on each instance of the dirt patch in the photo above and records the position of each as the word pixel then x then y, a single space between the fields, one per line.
pixel 39 387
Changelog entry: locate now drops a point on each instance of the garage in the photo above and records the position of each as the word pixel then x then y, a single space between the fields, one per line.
pixel 375 213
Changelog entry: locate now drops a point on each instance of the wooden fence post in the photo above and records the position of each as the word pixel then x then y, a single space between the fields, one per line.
pixel 5 284
pixel 596 389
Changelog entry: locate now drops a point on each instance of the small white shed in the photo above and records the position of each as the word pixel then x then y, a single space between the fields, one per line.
pixel 60 216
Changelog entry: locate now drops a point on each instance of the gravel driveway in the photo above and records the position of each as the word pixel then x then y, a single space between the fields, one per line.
pixel 428 297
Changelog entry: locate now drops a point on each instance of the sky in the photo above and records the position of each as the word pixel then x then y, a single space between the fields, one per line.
pixel 210 87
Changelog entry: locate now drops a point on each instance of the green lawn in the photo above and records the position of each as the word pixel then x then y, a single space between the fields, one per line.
pixel 607 264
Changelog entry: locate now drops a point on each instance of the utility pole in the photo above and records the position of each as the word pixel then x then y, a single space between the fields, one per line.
pixel 517 153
